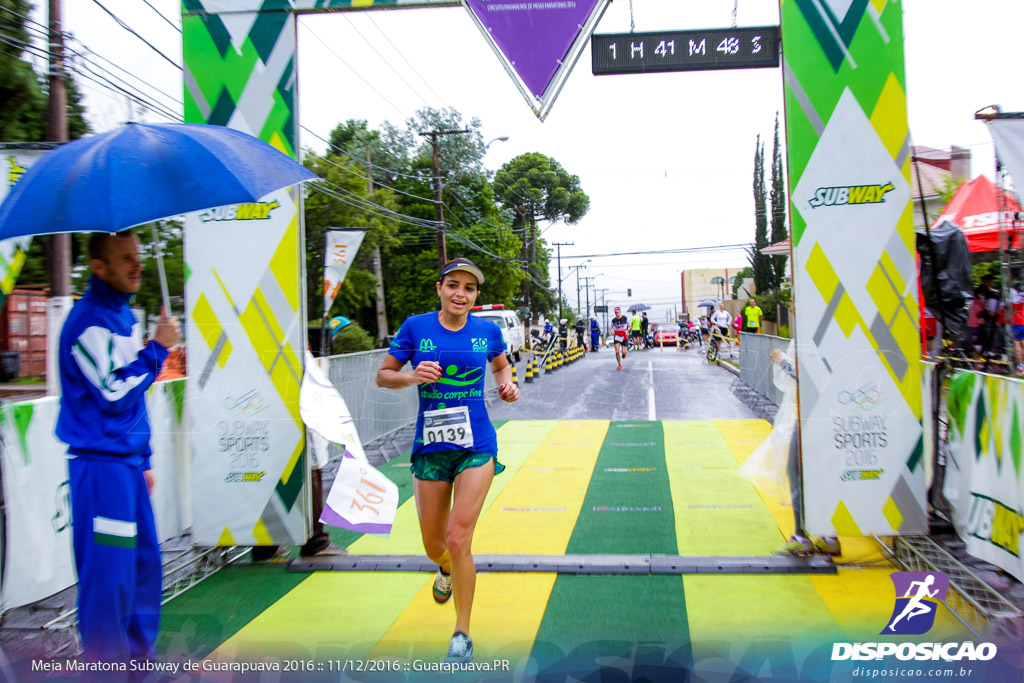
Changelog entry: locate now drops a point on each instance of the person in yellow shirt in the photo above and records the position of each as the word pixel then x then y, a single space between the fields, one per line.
pixel 752 315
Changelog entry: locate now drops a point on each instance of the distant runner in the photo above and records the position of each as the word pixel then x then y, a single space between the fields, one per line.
pixel 752 316
pixel 636 331
pixel 722 320
pixel 620 328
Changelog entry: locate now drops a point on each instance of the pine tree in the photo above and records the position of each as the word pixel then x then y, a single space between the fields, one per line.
pixel 763 275
pixel 778 197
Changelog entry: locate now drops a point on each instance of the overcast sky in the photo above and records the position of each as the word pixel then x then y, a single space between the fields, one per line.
pixel 665 158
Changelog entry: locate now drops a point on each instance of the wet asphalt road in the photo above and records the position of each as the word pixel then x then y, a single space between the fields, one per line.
pixel 652 385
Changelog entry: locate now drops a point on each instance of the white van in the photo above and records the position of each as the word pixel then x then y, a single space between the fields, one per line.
pixel 510 325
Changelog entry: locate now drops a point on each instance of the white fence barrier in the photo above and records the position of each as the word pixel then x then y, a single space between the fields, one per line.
pixel 38 560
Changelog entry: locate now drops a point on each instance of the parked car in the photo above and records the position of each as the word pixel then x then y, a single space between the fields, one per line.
pixel 509 324
pixel 666 333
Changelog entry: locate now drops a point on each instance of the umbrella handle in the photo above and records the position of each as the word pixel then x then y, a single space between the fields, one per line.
pixel 165 296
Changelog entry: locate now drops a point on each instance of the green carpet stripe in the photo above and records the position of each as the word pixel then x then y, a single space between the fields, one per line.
pixel 630 488
pixel 635 619
pixel 197 622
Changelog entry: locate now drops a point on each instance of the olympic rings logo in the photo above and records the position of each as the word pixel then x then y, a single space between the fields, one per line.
pixel 864 398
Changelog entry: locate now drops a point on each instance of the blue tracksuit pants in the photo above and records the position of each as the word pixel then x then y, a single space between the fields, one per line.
pixel 117 554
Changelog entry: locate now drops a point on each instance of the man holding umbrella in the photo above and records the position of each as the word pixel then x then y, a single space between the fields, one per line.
pixel 104 375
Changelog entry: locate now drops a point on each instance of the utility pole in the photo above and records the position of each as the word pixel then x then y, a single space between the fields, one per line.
pixel 442 247
pixel 586 288
pixel 58 305
pixel 378 272
pixel 603 303
pixel 559 245
pixel 57 131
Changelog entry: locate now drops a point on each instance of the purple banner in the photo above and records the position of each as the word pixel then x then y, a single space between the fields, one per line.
pixel 534 35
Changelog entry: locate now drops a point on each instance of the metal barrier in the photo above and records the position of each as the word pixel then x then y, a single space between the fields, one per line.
pixel 756 363
pixel 376 411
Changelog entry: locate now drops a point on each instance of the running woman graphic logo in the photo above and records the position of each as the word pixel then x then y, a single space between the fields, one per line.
pixel 917 601
pixel 427 345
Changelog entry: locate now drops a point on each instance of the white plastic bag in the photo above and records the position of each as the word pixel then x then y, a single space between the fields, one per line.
pixel 767 466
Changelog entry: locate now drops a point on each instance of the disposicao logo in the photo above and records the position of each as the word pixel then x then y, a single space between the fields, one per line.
pixel 850 194
pixel 914 612
pixel 916 604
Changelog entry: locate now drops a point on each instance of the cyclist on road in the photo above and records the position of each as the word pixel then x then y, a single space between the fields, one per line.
pixel 455 451
pixel 620 328
pixel 549 331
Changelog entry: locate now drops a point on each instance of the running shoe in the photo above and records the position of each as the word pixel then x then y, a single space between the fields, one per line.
pixel 443 588
pixel 828 545
pixel 619 368
pixel 797 546
pixel 460 649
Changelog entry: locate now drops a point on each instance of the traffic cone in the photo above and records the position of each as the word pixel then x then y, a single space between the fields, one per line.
pixel 529 371
pixel 514 379
pixel 547 365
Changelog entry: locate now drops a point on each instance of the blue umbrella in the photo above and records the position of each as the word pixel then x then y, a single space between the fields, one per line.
pixel 142 173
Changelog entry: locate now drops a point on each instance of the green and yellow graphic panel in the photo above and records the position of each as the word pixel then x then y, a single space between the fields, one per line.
pixel 855 281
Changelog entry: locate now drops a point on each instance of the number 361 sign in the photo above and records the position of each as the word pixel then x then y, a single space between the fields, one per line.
pixel 361 498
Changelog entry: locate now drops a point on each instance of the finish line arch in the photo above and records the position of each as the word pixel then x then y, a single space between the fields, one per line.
pixel 853 260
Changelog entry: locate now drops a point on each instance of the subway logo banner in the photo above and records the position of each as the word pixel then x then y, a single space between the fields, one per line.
pixel 854 272
pixel 984 479
pixel 13 252
pixel 245 296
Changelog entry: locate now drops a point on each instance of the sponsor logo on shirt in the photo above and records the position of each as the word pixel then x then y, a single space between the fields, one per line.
pixel 427 345
pixel 479 344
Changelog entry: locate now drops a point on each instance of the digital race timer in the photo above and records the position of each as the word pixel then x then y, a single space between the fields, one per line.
pixel 719 48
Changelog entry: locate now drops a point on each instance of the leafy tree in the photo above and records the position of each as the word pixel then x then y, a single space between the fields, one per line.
pixel 351 339
pixel 778 197
pixel 346 203
pixel 738 282
pixel 535 187
pixel 403 215
pixel 760 262
pixel 23 95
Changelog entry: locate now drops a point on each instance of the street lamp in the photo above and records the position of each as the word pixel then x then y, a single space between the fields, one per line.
pixel 503 138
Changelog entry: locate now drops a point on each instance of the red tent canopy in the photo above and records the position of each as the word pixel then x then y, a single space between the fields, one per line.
pixel 975 208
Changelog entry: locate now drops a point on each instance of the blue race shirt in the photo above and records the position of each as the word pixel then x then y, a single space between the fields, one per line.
pixel 463 356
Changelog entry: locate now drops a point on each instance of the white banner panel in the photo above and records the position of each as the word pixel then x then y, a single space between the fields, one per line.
pixel 38 559
pixel 37 504
pixel 246 335
pixel 984 480
pixel 340 251
pixel 1009 138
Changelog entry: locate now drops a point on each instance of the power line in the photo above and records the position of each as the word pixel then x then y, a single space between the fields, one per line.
pixel 90 53
pixel 173 25
pixel 399 53
pixel 135 33
pixel 358 75
pixel 383 58
pixel 389 171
